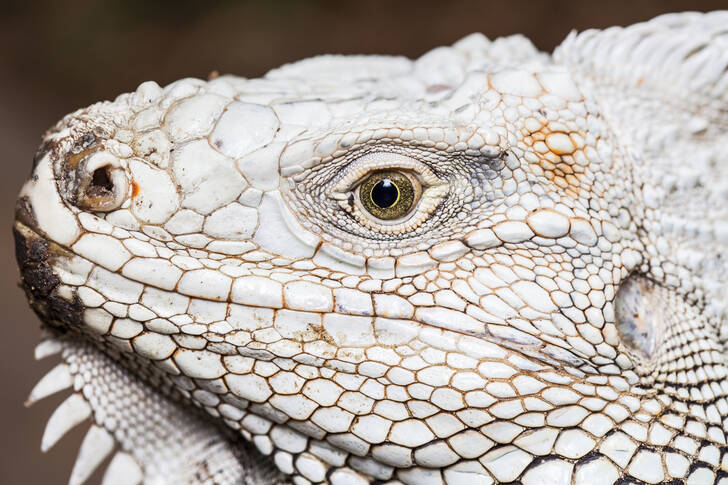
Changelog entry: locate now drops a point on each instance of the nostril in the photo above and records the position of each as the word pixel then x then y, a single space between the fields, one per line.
pixel 96 181
pixel 101 184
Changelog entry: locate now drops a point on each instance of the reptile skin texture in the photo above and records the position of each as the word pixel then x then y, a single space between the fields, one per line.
pixel 486 265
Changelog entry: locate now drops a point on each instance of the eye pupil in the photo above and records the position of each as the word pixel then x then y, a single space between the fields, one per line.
pixel 385 193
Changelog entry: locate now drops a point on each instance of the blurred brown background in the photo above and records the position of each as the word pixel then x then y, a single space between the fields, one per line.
pixel 58 56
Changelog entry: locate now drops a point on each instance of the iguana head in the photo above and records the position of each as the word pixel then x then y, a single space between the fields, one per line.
pixel 395 269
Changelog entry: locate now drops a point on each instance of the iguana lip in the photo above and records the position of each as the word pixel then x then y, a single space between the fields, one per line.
pixel 41 280
pixel 34 255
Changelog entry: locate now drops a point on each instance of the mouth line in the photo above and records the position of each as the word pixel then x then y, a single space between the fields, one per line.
pixel 34 262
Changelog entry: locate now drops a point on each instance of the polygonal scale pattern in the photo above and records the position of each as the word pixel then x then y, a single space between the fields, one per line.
pixel 475 339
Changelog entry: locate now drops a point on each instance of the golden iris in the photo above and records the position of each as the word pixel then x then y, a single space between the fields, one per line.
pixel 387 195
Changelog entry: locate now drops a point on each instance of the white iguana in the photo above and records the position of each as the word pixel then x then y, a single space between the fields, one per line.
pixel 486 265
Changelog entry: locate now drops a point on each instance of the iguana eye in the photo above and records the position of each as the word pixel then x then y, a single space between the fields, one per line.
pixel 389 195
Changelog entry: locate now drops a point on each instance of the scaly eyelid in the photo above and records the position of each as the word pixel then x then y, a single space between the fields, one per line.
pixel 432 190
pixel 357 172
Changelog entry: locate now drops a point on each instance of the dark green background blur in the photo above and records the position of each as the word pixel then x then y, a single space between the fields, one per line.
pixel 58 56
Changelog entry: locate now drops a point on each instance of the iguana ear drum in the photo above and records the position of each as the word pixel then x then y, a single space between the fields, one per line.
pixel 639 316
